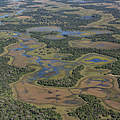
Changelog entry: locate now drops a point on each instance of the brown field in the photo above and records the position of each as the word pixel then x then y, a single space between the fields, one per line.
pixel 110 5
pixel 113 104
pixel 95 84
pixel 96 92
pixel 89 44
pixel 89 82
pixel 43 95
pixel 75 91
pixel 114 6
pixel 19 61
pixel 23 17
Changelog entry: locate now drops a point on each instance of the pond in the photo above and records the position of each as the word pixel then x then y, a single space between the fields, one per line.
pixel 96 60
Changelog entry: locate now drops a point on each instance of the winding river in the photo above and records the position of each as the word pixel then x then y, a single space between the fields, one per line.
pixel 53 68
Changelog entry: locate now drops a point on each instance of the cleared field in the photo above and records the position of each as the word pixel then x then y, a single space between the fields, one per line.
pixel 100 82
pixel 19 61
pixel 43 95
pixel 96 92
pixel 113 104
pixel 23 17
pixel 96 85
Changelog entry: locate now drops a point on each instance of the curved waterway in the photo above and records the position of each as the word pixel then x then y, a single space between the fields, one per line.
pixel 49 67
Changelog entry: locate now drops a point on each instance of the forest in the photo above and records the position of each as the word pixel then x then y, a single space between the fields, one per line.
pixel 94 110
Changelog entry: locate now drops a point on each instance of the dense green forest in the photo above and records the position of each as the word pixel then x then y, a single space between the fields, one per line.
pixel 5 42
pixel 11 109
pixel 94 110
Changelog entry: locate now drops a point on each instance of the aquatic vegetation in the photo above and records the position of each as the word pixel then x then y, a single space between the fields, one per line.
pixel 96 59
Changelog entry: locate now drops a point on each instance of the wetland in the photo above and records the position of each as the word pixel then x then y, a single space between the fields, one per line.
pixel 60 60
